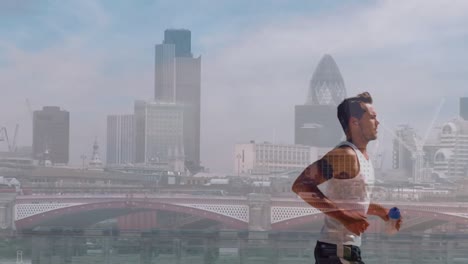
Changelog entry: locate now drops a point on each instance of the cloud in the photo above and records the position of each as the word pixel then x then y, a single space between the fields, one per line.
pixel 391 49
pixel 73 74
pixel 18 7
pixel 254 71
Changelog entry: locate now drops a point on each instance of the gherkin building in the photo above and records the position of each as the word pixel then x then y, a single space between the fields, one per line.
pixel 326 86
pixel 316 122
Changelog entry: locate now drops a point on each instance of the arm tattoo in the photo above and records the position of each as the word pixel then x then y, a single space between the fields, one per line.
pixel 325 168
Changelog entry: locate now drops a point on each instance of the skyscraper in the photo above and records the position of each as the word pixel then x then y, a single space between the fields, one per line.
pixel 159 131
pixel 404 145
pixel 464 108
pixel 120 139
pixel 164 74
pixel 181 39
pixel 316 122
pixel 178 80
pixel 51 133
pixel 326 86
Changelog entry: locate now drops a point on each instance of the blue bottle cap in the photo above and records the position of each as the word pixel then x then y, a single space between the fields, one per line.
pixel 394 213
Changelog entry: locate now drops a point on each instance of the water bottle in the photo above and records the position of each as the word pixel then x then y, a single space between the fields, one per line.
pixel 393 215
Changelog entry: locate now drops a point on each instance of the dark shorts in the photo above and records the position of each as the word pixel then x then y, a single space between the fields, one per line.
pixel 326 253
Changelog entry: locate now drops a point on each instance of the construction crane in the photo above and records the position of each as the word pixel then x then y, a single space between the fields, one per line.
pixel 417 148
pixel 4 132
pixel 4 137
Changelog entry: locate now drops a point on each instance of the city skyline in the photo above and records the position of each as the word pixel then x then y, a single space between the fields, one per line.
pixel 74 68
pixel 200 131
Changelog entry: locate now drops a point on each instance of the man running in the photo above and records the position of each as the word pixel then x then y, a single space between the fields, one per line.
pixel 350 176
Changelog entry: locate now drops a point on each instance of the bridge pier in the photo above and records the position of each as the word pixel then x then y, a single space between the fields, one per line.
pixel 7 205
pixel 259 216
pixel 255 243
pixel 259 211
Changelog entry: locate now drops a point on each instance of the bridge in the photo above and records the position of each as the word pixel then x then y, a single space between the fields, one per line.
pixel 255 212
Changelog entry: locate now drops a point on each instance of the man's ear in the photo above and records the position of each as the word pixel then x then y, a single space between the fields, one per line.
pixel 354 121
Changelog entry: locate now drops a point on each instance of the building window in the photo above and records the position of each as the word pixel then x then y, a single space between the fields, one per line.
pixel 447 129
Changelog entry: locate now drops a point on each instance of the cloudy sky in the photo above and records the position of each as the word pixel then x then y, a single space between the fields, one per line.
pixel 94 58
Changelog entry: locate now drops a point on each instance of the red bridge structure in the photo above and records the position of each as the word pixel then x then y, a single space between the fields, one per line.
pixel 257 212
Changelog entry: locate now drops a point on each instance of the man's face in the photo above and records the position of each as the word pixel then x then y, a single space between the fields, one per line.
pixel 368 123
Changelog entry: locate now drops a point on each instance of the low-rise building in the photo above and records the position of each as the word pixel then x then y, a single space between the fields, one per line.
pixel 265 158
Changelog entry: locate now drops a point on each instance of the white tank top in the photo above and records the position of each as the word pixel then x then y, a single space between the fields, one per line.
pixel 348 194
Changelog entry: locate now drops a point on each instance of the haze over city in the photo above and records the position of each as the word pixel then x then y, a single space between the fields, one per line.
pixel 257 62
pixel 206 131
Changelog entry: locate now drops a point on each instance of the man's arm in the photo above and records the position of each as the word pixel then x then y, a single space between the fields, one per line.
pixel 340 163
pixel 306 187
pixel 378 210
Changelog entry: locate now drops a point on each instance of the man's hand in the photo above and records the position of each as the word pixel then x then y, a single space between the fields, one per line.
pixel 399 223
pixel 354 221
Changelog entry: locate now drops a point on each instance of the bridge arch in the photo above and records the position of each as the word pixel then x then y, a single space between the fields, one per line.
pixel 298 222
pixel 412 218
pixel 87 214
pixel 424 219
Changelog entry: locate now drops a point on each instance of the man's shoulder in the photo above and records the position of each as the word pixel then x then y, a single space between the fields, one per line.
pixel 344 162
pixel 341 151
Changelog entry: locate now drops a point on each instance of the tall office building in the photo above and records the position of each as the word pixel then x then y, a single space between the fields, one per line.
pixel 177 80
pixel 120 139
pixel 404 146
pixel 181 39
pixel 316 122
pixel 464 108
pixel 164 75
pixel 158 131
pixel 51 134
